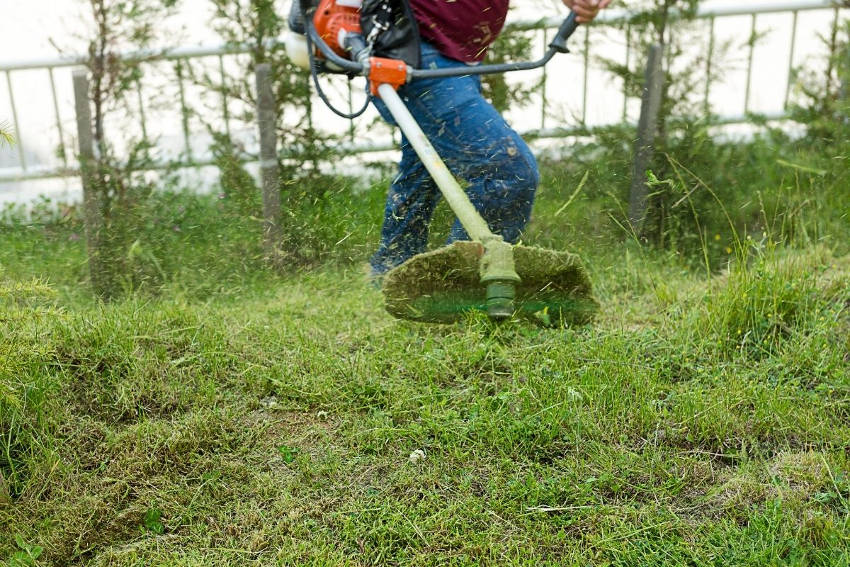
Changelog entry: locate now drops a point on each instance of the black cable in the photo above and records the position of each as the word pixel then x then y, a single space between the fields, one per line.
pixel 314 73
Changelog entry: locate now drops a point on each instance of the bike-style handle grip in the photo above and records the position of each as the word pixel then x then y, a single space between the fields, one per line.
pixel 567 28
pixel 558 45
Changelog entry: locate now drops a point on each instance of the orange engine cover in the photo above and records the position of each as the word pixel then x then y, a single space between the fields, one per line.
pixel 334 16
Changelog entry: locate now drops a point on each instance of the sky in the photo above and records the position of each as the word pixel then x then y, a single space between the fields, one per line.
pixel 33 29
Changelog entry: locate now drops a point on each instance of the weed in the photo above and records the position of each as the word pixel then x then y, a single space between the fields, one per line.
pixel 26 555
pixel 152 521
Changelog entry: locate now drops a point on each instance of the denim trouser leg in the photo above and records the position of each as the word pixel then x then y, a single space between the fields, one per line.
pixel 477 145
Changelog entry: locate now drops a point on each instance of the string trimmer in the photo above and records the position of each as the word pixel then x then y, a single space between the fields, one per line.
pixel 486 273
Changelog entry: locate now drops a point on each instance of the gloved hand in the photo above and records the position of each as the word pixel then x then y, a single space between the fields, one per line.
pixel 586 10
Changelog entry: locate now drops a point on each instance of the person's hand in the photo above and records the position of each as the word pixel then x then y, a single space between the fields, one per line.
pixel 586 10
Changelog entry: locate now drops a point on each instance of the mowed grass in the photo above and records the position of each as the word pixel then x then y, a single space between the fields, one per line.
pixel 245 418
pixel 707 428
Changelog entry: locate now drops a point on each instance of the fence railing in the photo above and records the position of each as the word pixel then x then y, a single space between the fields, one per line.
pixel 57 72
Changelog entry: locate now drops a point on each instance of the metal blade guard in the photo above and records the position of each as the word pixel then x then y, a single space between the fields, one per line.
pixel 444 285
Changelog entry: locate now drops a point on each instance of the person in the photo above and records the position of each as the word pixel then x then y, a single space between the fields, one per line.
pixel 476 143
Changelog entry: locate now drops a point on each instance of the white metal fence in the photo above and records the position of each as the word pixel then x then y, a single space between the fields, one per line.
pixel 183 143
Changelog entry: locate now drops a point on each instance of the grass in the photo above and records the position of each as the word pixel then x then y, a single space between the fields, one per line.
pixel 223 414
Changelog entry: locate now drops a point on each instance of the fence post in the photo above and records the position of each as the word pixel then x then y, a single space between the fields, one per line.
pixel 645 143
pixel 844 77
pixel 269 170
pixel 92 212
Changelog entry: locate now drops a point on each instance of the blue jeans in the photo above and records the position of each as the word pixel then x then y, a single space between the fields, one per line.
pixel 478 147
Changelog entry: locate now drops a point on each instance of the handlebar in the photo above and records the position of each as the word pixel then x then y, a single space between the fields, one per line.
pixel 568 28
pixel 558 45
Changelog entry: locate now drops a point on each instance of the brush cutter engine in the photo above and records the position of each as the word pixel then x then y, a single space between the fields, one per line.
pixel 375 38
pixel 335 20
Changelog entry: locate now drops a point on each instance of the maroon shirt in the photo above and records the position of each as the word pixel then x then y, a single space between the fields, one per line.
pixel 460 29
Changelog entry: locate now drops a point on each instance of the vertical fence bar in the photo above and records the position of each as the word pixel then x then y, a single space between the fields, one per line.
pixel 224 95
pixel 668 53
pixel 62 153
pixel 645 143
pixel 628 62
pixel 791 54
pixel 844 88
pixel 586 67
pixel 750 64
pixel 833 48
pixel 142 119
pixel 706 103
pixel 184 112
pixel 92 212
pixel 791 60
pixel 267 123
pixel 309 102
pixel 16 124
pixel 544 80
pixel 350 111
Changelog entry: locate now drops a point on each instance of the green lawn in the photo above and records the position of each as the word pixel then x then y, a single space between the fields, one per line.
pixel 688 425
pixel 220 414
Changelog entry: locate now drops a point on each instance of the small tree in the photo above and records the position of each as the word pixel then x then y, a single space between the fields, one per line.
pixel 259 24
pixel 825 104
pixel 669 23
pixel 684 113
pixel 116 26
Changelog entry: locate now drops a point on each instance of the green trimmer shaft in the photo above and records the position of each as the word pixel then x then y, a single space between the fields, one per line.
pixel 487 273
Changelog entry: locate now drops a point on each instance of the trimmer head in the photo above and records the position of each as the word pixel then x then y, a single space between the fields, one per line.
pixel 441 286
